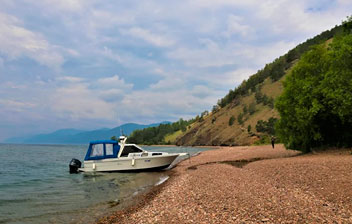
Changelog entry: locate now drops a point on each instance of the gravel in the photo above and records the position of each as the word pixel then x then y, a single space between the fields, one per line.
pixel 254 184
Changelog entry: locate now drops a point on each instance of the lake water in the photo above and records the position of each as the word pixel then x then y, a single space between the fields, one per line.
pixel 36 187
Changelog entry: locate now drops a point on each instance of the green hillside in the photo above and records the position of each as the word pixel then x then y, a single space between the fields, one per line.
pixel 246 115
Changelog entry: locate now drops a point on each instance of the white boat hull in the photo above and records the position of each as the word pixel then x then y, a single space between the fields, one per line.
pixel 129 163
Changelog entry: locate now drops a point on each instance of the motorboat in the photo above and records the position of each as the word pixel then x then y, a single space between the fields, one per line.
pixel 111 155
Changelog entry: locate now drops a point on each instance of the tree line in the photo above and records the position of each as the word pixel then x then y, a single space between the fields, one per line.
pixel 316 104
pixel 156 135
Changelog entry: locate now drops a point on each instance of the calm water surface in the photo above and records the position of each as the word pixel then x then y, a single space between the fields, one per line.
pixel 36 187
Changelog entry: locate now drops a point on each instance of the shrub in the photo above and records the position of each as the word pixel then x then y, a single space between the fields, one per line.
pixel 231 120
pixel 249 128
pixel 251 108
pixel 240 118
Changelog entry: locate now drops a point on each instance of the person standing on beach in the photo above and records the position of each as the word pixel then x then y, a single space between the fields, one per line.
pixel 273 141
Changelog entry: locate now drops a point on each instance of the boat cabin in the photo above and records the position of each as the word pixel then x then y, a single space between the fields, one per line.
pixel 102 150
pixel 107 149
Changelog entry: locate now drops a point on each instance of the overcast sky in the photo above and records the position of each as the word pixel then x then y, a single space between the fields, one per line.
pixel 89 64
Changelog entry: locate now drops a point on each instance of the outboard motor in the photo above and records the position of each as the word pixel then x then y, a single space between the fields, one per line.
pixel 75 164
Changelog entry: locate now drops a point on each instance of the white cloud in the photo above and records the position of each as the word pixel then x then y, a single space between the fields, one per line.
pixel 214 55
pixel 223 3
pixel 16 41
pixel 107 52
pixel 261 55
pixel 70 79
pixel 114 81
pixel 192 51
pixel 79 98
pixel 15 86
pixel 237 76
pixel 77 101
pixel 293 17
pixel 158 40
pixel 235 26
pixel 173 104
pixel 202 91
pixel 210 55
pixel 169 83
pixel 105 19
pixel 344 2
pixel 15 105
pixel 64 5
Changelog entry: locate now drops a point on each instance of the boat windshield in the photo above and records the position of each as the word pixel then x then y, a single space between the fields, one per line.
pixel 130 149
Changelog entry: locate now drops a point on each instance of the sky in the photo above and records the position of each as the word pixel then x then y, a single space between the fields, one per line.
pixel 89 64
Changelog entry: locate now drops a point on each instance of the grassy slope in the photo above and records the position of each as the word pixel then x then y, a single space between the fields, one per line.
pixel 221 133
pixel 208 132
pixel 172 137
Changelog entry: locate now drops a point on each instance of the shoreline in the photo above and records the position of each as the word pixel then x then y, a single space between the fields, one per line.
pixel 140 200
pixel 246 184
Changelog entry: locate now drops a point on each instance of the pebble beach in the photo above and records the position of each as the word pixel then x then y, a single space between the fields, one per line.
pixel 249 184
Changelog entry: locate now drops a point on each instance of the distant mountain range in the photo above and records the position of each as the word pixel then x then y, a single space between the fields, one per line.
pixel 75 136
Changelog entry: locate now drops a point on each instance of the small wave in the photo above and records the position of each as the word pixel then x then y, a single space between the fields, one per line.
pixel 21 183
pixel 8 201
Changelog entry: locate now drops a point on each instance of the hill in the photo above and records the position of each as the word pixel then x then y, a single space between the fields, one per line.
pixel 74 136
pixel 246 115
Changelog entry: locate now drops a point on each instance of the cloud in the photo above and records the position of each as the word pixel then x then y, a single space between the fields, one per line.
pixel 210 54
pixel 15 86
pixel 235 26
pixel 77 101
pixel 202 91
pixel 168 83
pixel 80 98
pixel 229 80
pixel 173 59
pixel 14 105
pixel 293 17
pixel 70 79
pixel 237 76
pixel 16 41
pixel 173 104
pixel 115 82
pixel 261 55
pixel 63 5
pixel 344 2
pixel 108 53
pixel 215 55
pixel 150 37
